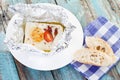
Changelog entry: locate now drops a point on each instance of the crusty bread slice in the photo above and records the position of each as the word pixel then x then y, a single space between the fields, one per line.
pixel 101 45
pixel 93 57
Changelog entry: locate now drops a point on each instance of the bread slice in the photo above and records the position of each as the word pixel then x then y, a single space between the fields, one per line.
pixel 93 57
pixel 101 45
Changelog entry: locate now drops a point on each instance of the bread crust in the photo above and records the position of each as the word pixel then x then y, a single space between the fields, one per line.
pixel 98 58
pixel 98 53
pixel 101 45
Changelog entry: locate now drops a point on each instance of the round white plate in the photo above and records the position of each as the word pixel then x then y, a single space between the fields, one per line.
pixel 58 60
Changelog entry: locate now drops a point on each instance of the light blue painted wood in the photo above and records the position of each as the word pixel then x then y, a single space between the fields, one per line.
pixel 75 7
pixel 12 2
pixel 31 74
pixel 8 69
pixel 103 8
pixel 118 67
pixel 72 5
pixel 67 73
pixel 43 1
pixel 98 7
pixel 3 46
pixel 107 77
pixel 37 75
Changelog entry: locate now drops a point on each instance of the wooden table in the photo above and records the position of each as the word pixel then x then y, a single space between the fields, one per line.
pixel 10 69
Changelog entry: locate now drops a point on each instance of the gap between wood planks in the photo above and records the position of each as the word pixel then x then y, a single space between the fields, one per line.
pixel 115 6
pixel 91 15
pixel 55 73
pixel 2 20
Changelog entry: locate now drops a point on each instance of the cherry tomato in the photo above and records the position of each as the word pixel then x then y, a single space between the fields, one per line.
pixel 48 36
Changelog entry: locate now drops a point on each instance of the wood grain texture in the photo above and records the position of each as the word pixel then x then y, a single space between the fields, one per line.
pixel 12 2
pixel 43 1
pixel 1 24
pixel 29 74
pixel 26 73
pixel 3 47
pixel 7 67
pixel 105 8
pixel 86 11
pixel 76 8
pixel 67 73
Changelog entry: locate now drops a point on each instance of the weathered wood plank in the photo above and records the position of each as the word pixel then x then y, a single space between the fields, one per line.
pixel 6 61
pixel 91 9
pixel 75 6
pixel 118 68
pixel 21 72
pixel 118 4
pixel 67 73
pixel 1 24
pixel 111 75
pixel 12 2
pixel 104 9
pixel 43 1
pixel 8 70
pixel 26 73
pixel 3 47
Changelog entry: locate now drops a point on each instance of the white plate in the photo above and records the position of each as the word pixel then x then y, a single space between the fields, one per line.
pixel 58 60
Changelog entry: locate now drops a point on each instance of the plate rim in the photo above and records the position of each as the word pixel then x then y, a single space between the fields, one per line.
pixel 62 65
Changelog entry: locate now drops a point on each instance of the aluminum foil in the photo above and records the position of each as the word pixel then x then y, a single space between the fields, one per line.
pixel 42 12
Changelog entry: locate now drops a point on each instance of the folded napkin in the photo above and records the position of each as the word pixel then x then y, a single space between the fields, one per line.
pixel 101 27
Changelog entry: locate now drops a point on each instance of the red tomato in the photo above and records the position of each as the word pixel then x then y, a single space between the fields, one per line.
pixel 48 36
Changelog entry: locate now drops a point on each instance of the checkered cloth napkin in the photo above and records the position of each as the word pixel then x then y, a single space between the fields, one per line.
pixel 101 27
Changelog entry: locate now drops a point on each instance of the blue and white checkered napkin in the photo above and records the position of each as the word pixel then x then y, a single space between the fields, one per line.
pixel 101 27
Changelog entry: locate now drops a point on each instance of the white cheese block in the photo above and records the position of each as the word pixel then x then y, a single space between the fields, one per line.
pixel 40 42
